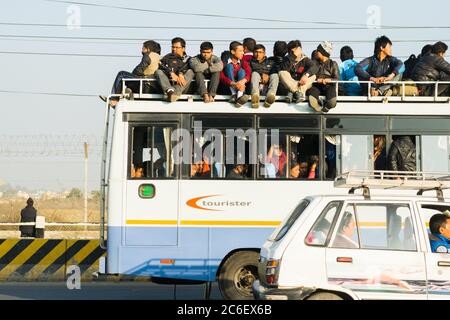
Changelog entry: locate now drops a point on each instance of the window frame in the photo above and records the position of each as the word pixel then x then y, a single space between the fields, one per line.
pixel 332 226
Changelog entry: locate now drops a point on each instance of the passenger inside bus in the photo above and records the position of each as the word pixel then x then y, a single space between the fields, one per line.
pixel 238 172
pixel 275 164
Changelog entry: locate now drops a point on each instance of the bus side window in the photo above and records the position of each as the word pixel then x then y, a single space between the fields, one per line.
pixel 294 156
pixel 151 152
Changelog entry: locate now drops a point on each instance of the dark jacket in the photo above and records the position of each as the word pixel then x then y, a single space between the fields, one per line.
pixel 28 214
pixel 373 67
pixel 298 68
pixel 263 67
pixel 402 155
pixel 148 65
pixel 327 70
pixel 276 64
pixel 429 67
pixel 174 63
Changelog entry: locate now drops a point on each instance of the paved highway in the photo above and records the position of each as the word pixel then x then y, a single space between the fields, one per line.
pixel 103 291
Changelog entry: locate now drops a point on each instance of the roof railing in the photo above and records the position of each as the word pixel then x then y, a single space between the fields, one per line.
pixel 400 97
pixel 400 180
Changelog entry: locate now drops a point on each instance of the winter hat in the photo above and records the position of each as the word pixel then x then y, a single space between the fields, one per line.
pixel 325 48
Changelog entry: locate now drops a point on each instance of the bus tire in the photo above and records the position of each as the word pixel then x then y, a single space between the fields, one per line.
pixel 237 275
pixel 324 296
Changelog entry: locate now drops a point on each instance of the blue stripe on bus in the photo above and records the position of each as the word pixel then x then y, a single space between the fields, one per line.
pixel 197 252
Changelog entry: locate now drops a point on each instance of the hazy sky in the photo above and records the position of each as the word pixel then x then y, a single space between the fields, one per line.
pixel 29 71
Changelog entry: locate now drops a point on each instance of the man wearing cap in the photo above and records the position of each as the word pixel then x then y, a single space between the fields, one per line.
pixel 328 71
pixel 28 214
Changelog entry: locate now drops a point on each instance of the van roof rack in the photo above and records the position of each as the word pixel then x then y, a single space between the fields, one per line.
pixel 400 180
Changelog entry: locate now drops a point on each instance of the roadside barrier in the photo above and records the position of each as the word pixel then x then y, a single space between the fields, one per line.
pixel 47 259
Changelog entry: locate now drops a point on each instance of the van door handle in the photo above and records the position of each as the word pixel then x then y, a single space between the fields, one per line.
pixel 344 259
pixel 443 263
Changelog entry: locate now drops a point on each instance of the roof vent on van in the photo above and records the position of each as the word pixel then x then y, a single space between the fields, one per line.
pixel 401 180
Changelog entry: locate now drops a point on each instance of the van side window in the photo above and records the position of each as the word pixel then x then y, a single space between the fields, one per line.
pixel 319 233
pixel 150 152
pixel 382 226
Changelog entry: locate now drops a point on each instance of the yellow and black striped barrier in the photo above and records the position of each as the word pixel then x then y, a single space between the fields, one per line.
pixel 47 259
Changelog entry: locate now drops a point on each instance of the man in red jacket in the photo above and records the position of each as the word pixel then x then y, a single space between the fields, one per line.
pixel 236 73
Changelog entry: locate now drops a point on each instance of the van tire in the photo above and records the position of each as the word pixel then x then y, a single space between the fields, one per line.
pixel 324 296
pixel 237 275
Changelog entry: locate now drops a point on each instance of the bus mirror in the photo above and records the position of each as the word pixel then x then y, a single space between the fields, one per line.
pixel 147 191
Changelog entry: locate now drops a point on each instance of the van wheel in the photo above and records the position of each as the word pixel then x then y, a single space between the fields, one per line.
pixel 237 275
pixel 324 296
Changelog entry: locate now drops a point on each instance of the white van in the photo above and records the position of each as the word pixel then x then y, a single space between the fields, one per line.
pixel 357 247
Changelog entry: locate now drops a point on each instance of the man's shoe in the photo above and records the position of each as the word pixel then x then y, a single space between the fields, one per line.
pixel 169 93
pixel 314 103
pixel 374 92
pixel 206 98
pixel 232 99
pixel 270 99
pixel 241 101
pixel 128 94
pixel 325 109
pixel 299 97
pixel 174 98
pixel 255 101
pixel 289 97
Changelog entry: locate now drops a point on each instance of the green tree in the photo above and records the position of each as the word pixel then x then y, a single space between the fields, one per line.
pixel 75 193
pixel 95 195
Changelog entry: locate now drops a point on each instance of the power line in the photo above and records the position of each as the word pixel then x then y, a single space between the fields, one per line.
pixel 201 40
pixel 216 27
pixel 201 14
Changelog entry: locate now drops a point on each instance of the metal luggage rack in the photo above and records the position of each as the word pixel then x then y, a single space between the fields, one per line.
pixel 400 180
pixel 402 98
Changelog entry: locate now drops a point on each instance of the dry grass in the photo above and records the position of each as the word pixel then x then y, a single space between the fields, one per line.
pixel 55 210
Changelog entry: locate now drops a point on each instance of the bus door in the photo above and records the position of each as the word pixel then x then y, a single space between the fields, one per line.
pixel 151 206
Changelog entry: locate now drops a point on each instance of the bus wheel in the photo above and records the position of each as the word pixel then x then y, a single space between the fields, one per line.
pixel 324 296
pixel 237 275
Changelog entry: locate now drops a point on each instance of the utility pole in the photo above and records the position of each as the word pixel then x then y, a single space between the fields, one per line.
pixel 85 182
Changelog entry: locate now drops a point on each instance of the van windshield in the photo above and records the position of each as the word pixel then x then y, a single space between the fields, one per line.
pixel 283 228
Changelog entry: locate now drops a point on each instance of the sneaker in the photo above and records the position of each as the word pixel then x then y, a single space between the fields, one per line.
pixel 206 98
pixel 242 100
pixel 299 97
pixel 269 100
pixel 128 94
pixel 255 101
pixel 174 98
pixel 314 103
pixel 169 93
pixel 232 99
pixel 325 109
pixel 374 92
pixel 289 97
pixel 388 93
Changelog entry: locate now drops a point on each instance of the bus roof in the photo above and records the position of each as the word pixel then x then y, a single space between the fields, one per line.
pixel 350 108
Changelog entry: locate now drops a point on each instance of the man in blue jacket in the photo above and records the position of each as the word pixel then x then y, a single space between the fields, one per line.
pixel 380 68
pixel 440 233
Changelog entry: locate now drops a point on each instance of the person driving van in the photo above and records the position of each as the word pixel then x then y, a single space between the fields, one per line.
pixel 345 233
pixel 440 233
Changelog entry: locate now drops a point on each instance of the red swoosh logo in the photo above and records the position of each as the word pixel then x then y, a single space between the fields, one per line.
pixel 193 202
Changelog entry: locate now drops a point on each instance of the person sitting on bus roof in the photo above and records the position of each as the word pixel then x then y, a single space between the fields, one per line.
pixel 151 51
pixel 263 80
pixel 297 72
pixel 249 46
pixel 328 71
pixel 206 66
pixel 411 62
pixel 235 74
pixel 380 68
pixel 433 67
pixel 279 52
pixel 347 72
pixel 440 233
pixel 175 66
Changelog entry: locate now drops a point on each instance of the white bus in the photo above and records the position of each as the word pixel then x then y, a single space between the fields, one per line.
pixel 198 222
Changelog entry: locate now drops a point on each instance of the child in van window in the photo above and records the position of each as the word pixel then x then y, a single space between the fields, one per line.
pixel 440 233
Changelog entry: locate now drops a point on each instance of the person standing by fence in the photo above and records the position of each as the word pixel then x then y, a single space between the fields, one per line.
pixel 28 214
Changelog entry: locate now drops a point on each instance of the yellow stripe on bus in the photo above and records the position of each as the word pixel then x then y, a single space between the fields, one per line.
pixel 204 223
